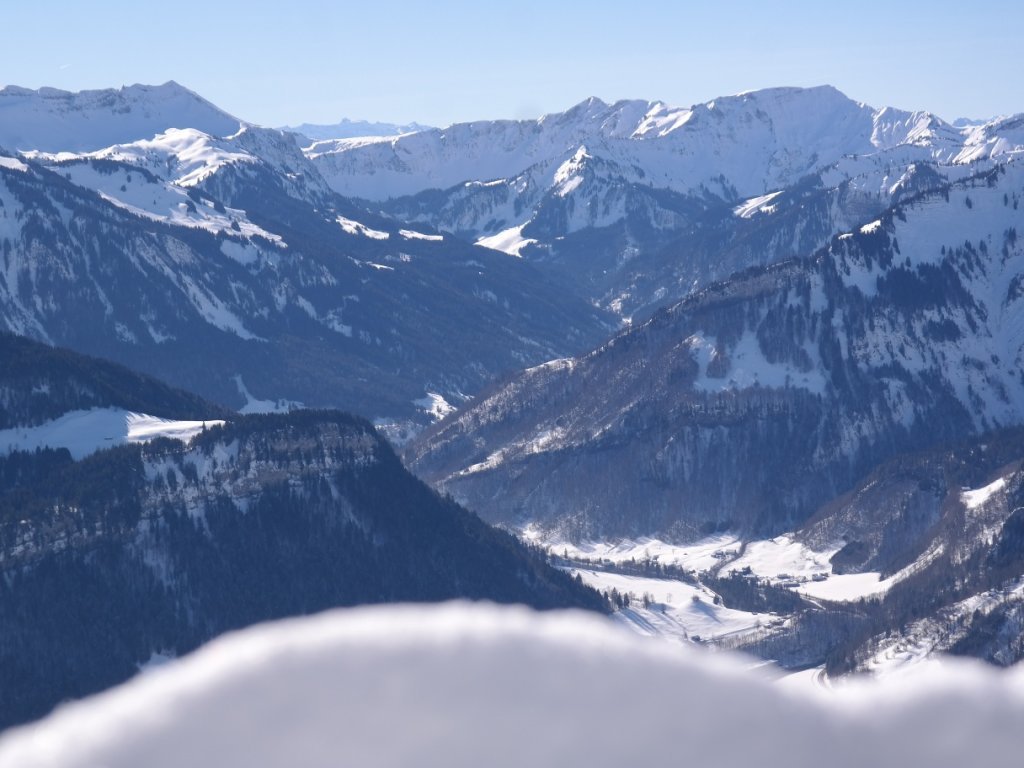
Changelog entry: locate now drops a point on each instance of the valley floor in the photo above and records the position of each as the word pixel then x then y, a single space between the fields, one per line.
pixel 674 608
pixel 665 591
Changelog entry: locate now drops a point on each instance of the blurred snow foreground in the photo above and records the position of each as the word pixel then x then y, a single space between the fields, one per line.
pixel 478 685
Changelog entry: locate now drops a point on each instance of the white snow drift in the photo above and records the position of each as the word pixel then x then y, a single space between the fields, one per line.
pixel 461 685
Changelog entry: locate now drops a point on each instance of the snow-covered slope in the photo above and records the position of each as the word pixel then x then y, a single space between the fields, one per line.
pixel 924 556
pixel 52 120
pixel 762 397
pixel 163 177
pixel 473 684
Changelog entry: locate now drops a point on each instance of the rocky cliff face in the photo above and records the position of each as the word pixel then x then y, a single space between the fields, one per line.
pixel 146 551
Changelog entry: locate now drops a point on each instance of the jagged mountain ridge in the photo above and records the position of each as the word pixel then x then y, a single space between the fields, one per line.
pixel 753 143
pixel 758 399
pixel 742 145
pixel 587 191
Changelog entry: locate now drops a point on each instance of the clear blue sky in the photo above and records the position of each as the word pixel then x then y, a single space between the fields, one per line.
pixel 440 62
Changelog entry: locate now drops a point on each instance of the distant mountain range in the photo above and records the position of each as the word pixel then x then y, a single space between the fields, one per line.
pixel 638 202
pixel 348 129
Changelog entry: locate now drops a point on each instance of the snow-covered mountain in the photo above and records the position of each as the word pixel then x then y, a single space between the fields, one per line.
pixel 349 129
pixel 736 146
pixel 52 120
pixel 215 255
pixel 590 191
pixel 756 400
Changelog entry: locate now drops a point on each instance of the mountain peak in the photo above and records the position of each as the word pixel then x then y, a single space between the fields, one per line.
pixel 589 103
pixel 827 94
pixel 587 108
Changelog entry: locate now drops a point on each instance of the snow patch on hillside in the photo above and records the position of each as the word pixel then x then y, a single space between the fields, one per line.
pixel 255 405
pixel 243 253
pixel 147 194
pixel 510 241
pixel 979 496
pixel 782 559
pixel 355 228
pixel 12 164
pixel 847 587
pixel 754 205
pixel 434 405
pixel 185 156
pixel 748 367
pixel 410 234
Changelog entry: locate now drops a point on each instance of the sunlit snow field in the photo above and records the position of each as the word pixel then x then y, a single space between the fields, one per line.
pixel 87 431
